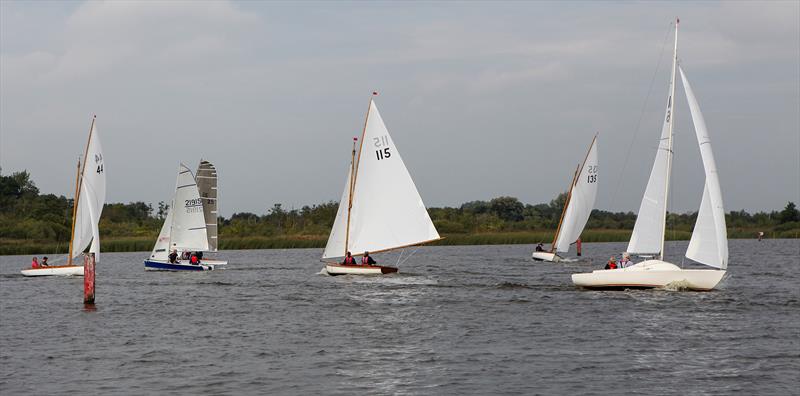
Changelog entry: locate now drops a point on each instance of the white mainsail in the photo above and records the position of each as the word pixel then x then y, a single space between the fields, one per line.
pixel 709 242
pixel 648 232
pixel 387 211
pixel 581 202
pixel 207 186
pixel 184 228
pixel 90 198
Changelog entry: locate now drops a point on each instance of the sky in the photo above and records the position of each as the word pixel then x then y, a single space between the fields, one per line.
pixel 483 99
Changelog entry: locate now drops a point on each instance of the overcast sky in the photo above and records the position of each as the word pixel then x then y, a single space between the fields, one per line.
pixel 482 99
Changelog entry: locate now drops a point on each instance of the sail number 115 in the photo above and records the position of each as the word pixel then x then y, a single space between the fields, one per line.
pixel 382 152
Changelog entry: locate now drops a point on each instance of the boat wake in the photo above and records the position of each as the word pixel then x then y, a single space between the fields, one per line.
pixel 681 285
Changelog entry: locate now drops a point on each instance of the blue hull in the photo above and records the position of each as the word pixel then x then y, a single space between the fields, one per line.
pixel 162 266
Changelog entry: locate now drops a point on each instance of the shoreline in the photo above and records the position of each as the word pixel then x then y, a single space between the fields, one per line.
pixel 140 244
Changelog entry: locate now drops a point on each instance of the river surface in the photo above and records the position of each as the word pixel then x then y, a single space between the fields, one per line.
pixel 455 320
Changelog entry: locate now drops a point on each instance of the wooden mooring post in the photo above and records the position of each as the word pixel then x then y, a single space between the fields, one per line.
pixel 88 279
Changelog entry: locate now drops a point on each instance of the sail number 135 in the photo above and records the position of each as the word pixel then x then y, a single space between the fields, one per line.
pixel 382 143
pixel 592 174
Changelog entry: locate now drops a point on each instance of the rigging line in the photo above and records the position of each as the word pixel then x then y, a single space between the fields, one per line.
pixel 409 256
pixel 400 256
pixel 641 115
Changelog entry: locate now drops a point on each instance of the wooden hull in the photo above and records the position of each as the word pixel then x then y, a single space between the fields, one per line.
pixel 340 269
pixel 60 270
pixel 650 274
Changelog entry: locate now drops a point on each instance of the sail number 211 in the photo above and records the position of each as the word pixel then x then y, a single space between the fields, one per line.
pixel 382 152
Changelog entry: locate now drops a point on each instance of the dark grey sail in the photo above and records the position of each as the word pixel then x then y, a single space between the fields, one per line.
pixel 207 185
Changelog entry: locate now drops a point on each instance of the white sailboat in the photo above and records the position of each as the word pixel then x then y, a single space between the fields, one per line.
pixel 577 207
pixel 380 209
pixel 709 242
pixel 90 196
pixel 184 228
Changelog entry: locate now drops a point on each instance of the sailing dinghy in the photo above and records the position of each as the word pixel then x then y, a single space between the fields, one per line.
pixel 381 209
pixel 184 228
pixel 577 207
pixel 90 196
pixel 709 242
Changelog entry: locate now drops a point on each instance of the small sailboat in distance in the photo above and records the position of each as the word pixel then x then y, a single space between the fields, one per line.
pixel 90 196
pixel 184 229
pixel 577 207
pixel 380 209
pixel 709 241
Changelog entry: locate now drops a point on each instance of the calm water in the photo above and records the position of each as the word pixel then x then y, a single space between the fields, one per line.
pixel 455 320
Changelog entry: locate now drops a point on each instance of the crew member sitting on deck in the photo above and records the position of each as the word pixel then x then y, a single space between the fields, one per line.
pixel 625 261
pixel 612 263
pixel 173 257
pixel 35 263
pixel 539 248
pixel 349 259
pixel 185 255
pixel 44 262
pixel 194 260
pixel 367 260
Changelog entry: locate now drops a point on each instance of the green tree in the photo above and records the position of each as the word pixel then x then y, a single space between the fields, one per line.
pixel 789 214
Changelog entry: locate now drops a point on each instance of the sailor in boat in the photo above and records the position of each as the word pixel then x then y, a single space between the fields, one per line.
pixel 349 260
pixel 194 260
pixel 35 263
pixel 173 257
pixel 539 247
pixel 44 262
pixel 625 261
pixel 612 263
pixel 367 260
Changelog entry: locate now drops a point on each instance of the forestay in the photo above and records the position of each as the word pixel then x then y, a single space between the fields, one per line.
pixel 709 242
pixel 207 186
pixel 387 211
pixel 581 202
pixel 91 198
pixel 648 232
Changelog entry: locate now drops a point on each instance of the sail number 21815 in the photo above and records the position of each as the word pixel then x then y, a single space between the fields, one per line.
pixel 382 143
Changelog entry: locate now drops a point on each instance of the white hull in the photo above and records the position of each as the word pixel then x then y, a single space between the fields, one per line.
pixel 338 269
pixel 650 274
pixel 62 270
pixel 545 256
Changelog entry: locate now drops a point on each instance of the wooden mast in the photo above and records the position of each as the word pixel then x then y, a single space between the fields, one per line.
pixel 350 197
pixel 78 180
pixel 353 173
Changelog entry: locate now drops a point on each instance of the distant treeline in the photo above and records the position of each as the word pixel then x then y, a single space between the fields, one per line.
pixel 31 222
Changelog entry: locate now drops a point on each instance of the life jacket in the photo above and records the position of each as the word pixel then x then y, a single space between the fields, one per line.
pixel 350 260
pixel 612 265
pixel 195 260
pixel 34 264
pixel 365 260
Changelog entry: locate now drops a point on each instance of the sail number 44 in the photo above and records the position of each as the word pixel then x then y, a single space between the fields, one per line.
pixel 382 143
pixel 98 160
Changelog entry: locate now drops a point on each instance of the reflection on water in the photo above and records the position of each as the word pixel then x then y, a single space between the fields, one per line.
pixel 474 320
